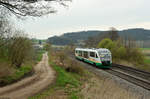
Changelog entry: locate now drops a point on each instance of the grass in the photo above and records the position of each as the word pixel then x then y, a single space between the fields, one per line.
pixel 18 74
pixel 39 55
pixel 147 60
pixel 67 82
pixel 145 48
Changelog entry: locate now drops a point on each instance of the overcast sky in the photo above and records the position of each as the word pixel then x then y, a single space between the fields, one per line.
pixel 90 15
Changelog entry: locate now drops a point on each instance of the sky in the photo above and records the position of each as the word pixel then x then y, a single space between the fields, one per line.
pixel 83 15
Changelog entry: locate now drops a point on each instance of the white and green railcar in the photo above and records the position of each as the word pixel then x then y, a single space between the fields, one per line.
pixel 99 57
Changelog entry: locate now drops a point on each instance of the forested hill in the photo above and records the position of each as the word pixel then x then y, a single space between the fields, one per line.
pixel 75 37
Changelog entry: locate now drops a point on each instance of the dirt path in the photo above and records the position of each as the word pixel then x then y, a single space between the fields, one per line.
pixel 44 75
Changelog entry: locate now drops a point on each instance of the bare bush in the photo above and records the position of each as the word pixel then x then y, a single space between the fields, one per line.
pixel 61 57
pixel 74 67
pixel 70 65
pixel 20 50
pixel 5 70
pixel 135 55
pixel 35 8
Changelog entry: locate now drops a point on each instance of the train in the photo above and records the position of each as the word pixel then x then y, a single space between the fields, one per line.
pixel 100 57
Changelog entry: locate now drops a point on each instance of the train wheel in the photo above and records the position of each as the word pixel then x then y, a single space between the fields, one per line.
pixel 83 60
pixel 94 64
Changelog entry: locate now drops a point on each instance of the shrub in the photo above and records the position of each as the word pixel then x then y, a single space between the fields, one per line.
pixel 119 52
pixel 47 46
pixel 135 55
pixel 104 43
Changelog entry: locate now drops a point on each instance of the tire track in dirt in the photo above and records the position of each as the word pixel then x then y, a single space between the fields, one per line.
pixel 44 76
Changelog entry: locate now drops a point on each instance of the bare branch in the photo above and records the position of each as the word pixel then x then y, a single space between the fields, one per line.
pixel 35 8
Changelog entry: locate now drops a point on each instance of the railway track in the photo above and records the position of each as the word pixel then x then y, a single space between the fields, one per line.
pixel 135 76
pixel 132 71
pixel 139 81
pixel 132 75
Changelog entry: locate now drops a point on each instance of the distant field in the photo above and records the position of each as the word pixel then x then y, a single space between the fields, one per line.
pixel 145 48
pixel 146 51
pixel 147 60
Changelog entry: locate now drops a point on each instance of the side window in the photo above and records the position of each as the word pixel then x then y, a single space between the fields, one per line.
pixel 80 53
pixel 85 54
pixel 92 54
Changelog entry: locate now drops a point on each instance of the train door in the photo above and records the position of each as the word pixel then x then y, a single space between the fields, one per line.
pixel 97 58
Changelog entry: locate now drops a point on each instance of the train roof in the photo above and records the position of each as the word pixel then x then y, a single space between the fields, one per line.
pixel 92 49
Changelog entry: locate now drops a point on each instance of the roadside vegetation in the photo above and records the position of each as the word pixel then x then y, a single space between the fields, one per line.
pixel 73 81
pixel 17 55
pixel 19 62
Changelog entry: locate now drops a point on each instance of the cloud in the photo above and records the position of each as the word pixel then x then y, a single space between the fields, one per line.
pixel 91 14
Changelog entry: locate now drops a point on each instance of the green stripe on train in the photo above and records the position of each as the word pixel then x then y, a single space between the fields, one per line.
pixel 91 62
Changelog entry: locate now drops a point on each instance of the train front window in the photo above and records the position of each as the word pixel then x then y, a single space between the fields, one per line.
pixel 105 55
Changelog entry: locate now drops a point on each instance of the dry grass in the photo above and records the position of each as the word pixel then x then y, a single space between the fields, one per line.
pixel 146 51
pixel 5 69
pixel 61 59
pixel 126 63
pixel 105 89
pixel 59 94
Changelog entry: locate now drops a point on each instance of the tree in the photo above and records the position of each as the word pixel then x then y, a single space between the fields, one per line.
pixel 113 34
pixel 35 8
pixel 6 30
pixel 20 50
pixel 90 42
pixel 47 46
pixel 104 43
pixel 40 42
